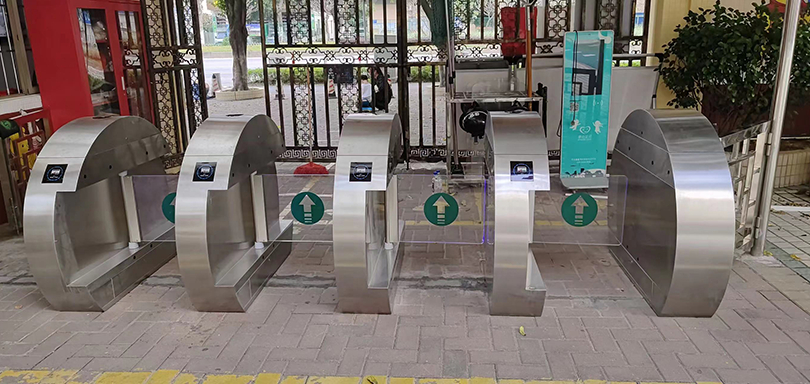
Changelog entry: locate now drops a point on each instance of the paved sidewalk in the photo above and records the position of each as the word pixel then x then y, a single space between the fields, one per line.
pixel 595 326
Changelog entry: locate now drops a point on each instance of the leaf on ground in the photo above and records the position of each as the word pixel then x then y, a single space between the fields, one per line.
pixel 522 331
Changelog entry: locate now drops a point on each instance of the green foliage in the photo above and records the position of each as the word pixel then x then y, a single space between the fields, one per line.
pixel 220 4
pixel 424 74
pixel 724 61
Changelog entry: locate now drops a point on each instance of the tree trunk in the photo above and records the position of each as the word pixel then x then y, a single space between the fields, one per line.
pixel 237 20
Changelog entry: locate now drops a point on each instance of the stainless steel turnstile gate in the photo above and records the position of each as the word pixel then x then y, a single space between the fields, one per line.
pixel 366 227
pixel 92 231
pixel 678 245
pixel 230 238
pixel 518 166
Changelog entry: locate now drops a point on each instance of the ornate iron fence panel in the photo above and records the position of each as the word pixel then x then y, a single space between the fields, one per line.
pixel 315 52
pixel 172 34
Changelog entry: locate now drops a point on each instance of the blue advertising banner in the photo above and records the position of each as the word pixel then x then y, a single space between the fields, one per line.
pixel 586 107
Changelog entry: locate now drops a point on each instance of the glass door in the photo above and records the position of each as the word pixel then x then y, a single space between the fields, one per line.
pixel 98 58
pixel 135 81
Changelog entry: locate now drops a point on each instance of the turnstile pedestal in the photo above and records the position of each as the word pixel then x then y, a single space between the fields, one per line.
pixel 678 245
pixel 365 224
pixel 86 243
pixel 230 239
pixel 518 163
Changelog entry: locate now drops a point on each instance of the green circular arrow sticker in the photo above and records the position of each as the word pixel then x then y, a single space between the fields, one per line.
pixel 307 208
pixel 167 206
pixel 441 209
pixel 579 209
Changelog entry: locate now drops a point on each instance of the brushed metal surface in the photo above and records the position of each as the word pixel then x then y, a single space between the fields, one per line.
pixel 362 221
pixel 76 232
pixel 517 288
pixel 678 241
pixel 224 260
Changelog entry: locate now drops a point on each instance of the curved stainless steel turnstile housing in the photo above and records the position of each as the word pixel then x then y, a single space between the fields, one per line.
pixel 678 244
pixel 518 162
pixel 365 223
pixel 85 242
pixel 229 236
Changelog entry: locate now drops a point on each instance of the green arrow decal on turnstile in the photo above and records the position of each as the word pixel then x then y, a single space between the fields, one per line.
pixel 441 209
pixel 307 208
pixel 579 209
pixel 167 206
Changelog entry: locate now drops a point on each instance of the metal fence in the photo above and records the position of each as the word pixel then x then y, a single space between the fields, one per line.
pixel 316 51
pixel 745 150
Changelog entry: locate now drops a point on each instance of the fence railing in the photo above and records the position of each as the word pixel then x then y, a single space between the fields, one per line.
pixel 745 150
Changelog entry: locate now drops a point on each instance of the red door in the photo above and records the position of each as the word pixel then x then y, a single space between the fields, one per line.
pixel 112 44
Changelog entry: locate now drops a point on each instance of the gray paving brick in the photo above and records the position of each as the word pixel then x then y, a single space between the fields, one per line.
pixel 636 334
pixel 416 370
pixel 510 371
pixel 217 366
pixel 706 360
pixel 293 354
pixel 407 337
pixel 311 368
pixel 101 351
pixel 386 325
pixel 742 355
pixel 314 335
pixel 75 363
pixel 611 359
pixel 670 367
pixel 273 366
pixel 634 353
pixel 112 364
pixel 562 346
pixel 737 335
pixel 467 344
pixel 19 362
pixel 494 357
pixel 444 331
pixel 392 355
pixel 775 349
pixel 643 373
pixel 769 330
pixel 430 350
pixel 376 369
pixel 454 364
pixel 701 375
pixel 602 340
pixel 573 329
pixel 700 323
pixel 704 341
pixel 503 339
pixel 783 370
pixel 531 351
pixel 482 370
pixel 251 362
pixel 605 322
pixel 746 376
pixel 654 346
pixel 332 347
pixel 352 362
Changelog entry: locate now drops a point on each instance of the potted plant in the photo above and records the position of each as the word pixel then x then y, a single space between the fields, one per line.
pixel 724 62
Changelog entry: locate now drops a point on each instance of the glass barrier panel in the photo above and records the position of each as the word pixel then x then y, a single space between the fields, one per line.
pixel 443 210
pixel 154 197
pixel 306 201
pixel 583 217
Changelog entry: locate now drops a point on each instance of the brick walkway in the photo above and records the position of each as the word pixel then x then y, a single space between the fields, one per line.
pixel 595 326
